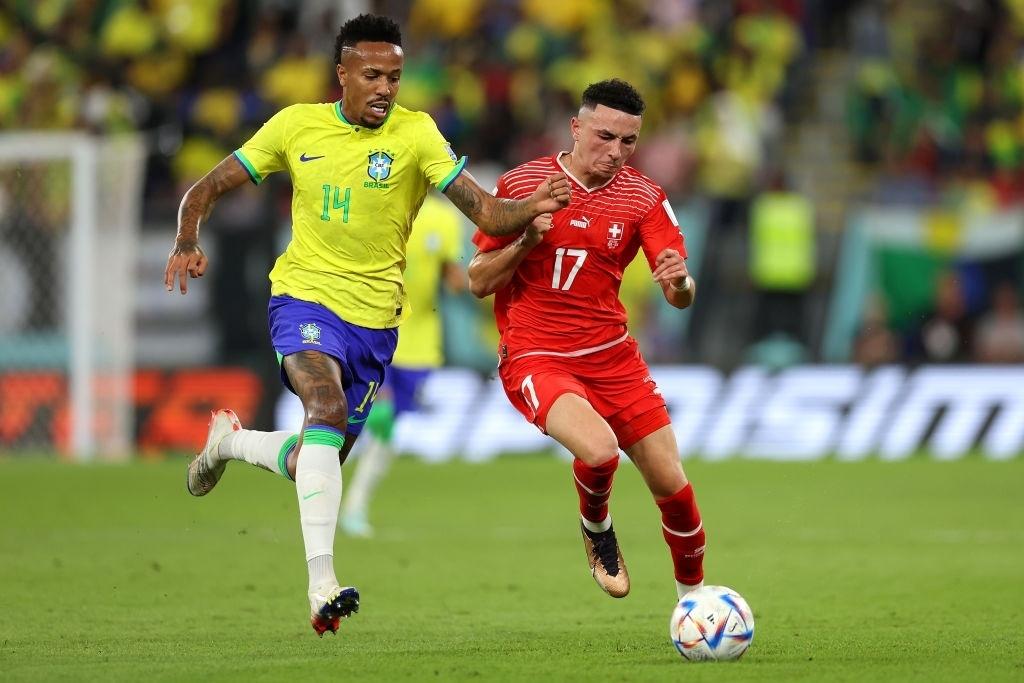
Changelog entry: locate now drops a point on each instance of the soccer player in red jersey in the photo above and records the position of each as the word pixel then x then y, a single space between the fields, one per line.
pixel 566 359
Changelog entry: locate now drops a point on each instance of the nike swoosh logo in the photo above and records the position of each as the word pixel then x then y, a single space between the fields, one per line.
pixel 355 421
pixel 311 495
pixel 304 158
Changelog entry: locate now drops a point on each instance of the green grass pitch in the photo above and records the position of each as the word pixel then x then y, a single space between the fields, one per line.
pixel 873 571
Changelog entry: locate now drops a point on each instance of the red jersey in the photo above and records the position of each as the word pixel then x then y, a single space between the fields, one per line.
pixel 564 296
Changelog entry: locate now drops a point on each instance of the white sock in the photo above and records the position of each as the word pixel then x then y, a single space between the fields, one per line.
pixel 321 572
pixel 318 488
pixel 266 450
pixel 371 466
pixel 597 527
pixel 682 589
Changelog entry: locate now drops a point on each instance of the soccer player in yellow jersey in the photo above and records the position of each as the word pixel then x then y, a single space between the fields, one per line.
pixel 360 169
pixel 435 254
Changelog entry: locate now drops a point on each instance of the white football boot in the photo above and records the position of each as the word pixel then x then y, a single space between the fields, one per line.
pixel 207 467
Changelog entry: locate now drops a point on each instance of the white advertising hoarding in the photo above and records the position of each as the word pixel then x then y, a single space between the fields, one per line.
pixel 802 413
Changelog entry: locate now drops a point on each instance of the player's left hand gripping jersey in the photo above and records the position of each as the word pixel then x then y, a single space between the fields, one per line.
pixel 564 296
pixel 355 193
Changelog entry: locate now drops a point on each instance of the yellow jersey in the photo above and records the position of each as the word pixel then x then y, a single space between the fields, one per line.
pixel 436 239
pixel 355 193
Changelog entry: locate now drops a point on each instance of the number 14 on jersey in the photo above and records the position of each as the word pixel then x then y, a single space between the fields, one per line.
pixel 338 203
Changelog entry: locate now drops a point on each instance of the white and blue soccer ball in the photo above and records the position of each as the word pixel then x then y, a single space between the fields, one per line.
pixel 713 622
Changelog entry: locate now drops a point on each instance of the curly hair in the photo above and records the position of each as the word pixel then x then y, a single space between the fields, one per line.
pixel 371 28
pixel 615 94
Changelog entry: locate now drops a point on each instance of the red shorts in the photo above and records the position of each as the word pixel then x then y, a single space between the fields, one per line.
pixel 616 382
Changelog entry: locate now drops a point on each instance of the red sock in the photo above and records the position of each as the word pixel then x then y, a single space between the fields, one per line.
pixel 594 484
pixel 684 533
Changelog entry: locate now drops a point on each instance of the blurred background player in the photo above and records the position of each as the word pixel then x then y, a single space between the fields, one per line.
pixel 434 256
pixel 566 359
pixel 360 168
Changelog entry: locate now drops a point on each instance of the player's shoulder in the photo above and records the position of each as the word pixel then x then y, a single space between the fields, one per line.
pixel 528 175
pixel 633 181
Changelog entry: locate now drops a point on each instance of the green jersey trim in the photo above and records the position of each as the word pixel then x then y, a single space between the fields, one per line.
pixel 443 185
pixel 255 177
pixel 341 117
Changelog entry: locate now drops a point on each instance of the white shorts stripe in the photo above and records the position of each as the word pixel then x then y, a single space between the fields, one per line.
pixel 575 354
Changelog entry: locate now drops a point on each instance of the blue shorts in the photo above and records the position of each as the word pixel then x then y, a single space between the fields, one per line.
pixel 363 353
pixel 404 385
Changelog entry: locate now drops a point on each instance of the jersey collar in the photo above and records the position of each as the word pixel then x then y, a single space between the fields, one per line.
pixel 558 160
pixel 341 117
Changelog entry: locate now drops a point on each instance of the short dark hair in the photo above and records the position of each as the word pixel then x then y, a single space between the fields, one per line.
pixel 616 94
pixel 371 28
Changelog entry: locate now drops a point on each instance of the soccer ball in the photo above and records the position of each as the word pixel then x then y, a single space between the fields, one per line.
pixel 713 622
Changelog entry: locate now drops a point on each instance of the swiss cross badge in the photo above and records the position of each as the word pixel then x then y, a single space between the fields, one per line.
pixel 614 235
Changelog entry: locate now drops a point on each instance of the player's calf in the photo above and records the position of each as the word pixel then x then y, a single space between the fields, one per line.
pixel 684 533
pixel 594 487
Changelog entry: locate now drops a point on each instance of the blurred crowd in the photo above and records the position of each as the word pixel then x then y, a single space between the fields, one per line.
pixel 937 100
pixel 957 328
pixel 501 78
pixel 934 112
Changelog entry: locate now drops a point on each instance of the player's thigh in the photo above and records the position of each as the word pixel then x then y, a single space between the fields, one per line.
pixel 312 344
pixel 336 368
pixel 533 384
pixel 549 394
pixel 316 378
pixel 657 457
pixel 622 391
pixel 574 423
pixel 369 354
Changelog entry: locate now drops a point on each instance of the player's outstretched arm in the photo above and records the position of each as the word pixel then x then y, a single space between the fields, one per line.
pixel 499 217
pixel 489 271
pixel 677 284
pixel 187 256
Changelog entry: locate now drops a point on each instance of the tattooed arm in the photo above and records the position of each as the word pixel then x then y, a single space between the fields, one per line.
pixel 498 217
pixel 187 256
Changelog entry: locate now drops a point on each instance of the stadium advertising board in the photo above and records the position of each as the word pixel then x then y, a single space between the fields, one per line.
pixel 802 413
pixel 171 408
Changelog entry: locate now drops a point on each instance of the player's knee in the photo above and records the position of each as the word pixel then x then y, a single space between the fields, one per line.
pixel 598 449
pixel 664 476
pixel 666 487
pixel 330 410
